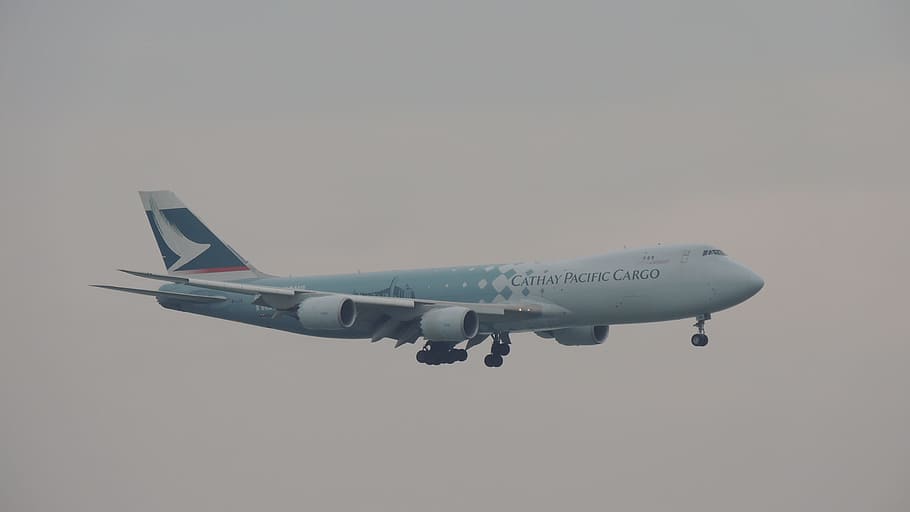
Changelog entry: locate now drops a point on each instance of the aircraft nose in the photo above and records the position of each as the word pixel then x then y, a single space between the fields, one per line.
pixel 752 282
pixel 734 283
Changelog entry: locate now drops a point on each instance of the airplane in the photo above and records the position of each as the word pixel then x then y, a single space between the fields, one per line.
pixel 573 301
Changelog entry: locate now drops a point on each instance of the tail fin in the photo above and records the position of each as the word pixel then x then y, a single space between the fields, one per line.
pixel 187 245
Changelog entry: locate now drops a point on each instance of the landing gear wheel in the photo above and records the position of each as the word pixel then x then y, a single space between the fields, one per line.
pixel 493 360
pixel 500 347
pixel 435 354
pixel 699 340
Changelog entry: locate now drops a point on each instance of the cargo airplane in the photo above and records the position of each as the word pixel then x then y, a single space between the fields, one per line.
pixel 573 301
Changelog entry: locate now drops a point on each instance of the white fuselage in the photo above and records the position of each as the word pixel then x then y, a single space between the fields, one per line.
pixel 629 286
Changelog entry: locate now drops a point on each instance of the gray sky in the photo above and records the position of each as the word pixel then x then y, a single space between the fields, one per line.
pixel 335 136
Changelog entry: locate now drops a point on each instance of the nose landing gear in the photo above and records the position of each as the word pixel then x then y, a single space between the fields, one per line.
pixel 700 339
pixel 501 347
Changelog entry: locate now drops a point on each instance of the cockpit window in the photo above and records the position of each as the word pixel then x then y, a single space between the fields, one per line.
pixel 708 252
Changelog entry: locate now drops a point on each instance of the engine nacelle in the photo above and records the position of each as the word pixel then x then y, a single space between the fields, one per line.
pixel 454 323
pixel 578 336
pixel 329 312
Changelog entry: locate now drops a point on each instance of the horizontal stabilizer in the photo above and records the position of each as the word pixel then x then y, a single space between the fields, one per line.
pixel 185 297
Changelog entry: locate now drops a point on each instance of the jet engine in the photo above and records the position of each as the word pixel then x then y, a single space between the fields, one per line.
pixel 454 323
pixel 329 312
pixel 578 336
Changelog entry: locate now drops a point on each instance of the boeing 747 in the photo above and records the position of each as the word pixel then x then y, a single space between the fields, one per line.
pixel 573 302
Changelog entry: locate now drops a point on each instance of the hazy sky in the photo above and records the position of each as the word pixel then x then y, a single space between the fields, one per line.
pixel 335 136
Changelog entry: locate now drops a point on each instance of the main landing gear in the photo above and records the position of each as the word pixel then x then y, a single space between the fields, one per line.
pixel 441 352
pixel 700 339
pixel 501 347
pixel 436 353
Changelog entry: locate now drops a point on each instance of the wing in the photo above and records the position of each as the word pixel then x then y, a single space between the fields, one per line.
pixel 392 313
pixel 186 297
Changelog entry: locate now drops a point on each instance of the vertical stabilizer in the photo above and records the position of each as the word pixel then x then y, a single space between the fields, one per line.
pixel 187 246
